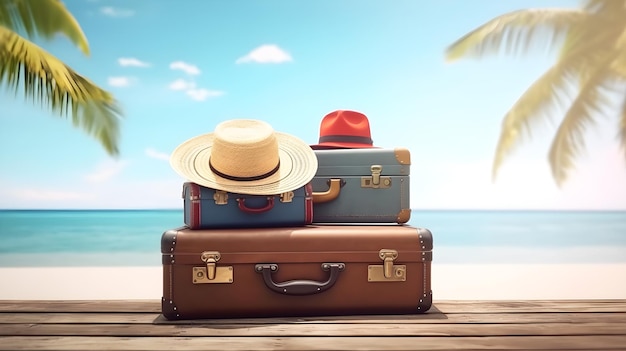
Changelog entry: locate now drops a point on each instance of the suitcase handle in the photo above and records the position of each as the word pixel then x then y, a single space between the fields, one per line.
pixel 241 203
pixel 334 186
pixel 299 287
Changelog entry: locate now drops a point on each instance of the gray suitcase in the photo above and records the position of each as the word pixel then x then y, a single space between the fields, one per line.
pixel 362 186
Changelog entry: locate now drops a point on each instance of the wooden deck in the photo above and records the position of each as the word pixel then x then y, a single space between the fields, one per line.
pixel 449 325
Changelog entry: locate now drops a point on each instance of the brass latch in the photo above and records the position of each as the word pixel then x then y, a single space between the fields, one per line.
pixel 375 180
pixel 286 197
pixel 220 197
pixel 211 273
pixel 387 272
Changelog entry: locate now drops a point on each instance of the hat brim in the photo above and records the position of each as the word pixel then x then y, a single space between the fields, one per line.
pixel 298 165
pixel 331 145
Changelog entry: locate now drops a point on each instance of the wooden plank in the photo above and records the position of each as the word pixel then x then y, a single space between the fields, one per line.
pixel 605 342
pixel 80 306
pixel 539 306
pixel 299 330
pixel 447 307
pixel 154 318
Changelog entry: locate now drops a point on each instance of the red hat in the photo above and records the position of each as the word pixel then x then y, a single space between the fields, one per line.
pixel 344 129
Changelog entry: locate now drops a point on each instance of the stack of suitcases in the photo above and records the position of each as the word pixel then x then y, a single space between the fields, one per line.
pixel 276 227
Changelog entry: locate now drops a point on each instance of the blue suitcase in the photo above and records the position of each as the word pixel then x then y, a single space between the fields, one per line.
pixel 206 208
pixel 362 186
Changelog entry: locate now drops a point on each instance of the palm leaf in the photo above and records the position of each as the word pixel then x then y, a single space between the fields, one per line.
pixel 554 89
pixel 569 141
pixel 619 64
pixel 49 82
pixel 546 93
pixel 608 7
pixel 44 18
pixel 516 32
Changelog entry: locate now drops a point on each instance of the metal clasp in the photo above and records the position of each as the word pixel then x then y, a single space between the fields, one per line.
pixel 287 196
pixel 220 197
pixel 210 258
pixel 388 256
pixel 388 271
pixel 376 170
pixel 211 273
pixel 375 180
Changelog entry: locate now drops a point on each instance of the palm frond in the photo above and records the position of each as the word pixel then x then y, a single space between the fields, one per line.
pixel 622 127
pixel 516 32
pixel 619 64
pixel 605 6
pixel 44 18
pixel 569 140
pixel 49 82
pixel 553 89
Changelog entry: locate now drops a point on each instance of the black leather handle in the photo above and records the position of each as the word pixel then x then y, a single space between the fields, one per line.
pixel 299 287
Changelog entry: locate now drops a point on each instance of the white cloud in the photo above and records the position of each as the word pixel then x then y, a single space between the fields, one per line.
pixel 105 171
pixel 189 87
pixel 185 67
pixel 150 152
pixel 116 12
pixel 266 54
pixel 119 81
pixel 131 62
pixel 203 94
pixel 181 84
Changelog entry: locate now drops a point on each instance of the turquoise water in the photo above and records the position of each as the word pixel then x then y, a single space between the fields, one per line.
pixel 124 238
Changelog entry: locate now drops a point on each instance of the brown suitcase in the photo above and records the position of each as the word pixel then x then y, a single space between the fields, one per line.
pixel 296 271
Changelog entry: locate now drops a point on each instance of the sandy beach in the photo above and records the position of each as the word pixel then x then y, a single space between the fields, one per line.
pixel 449 281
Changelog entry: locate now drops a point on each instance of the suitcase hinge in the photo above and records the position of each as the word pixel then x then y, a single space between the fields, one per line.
pixel 211 273
pixel 375 180
pixel 220 197
pixel 387 272
pixel 286 197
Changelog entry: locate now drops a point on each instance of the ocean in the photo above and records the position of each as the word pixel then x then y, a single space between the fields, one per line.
pixel 51 238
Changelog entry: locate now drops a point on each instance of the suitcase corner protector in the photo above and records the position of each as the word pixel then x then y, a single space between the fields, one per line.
pixel 403 155
pixel 403 216
pixel 168 240
pixel 169 310
pixel 426 302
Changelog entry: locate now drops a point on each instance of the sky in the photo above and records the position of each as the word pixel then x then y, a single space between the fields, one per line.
pixel 180 68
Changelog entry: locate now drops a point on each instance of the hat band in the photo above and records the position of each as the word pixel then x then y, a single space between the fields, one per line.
pixel 230 177
pixel 346 139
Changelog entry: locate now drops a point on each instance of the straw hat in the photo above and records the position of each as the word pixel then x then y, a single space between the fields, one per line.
pixel 344 129
pixel 246 157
